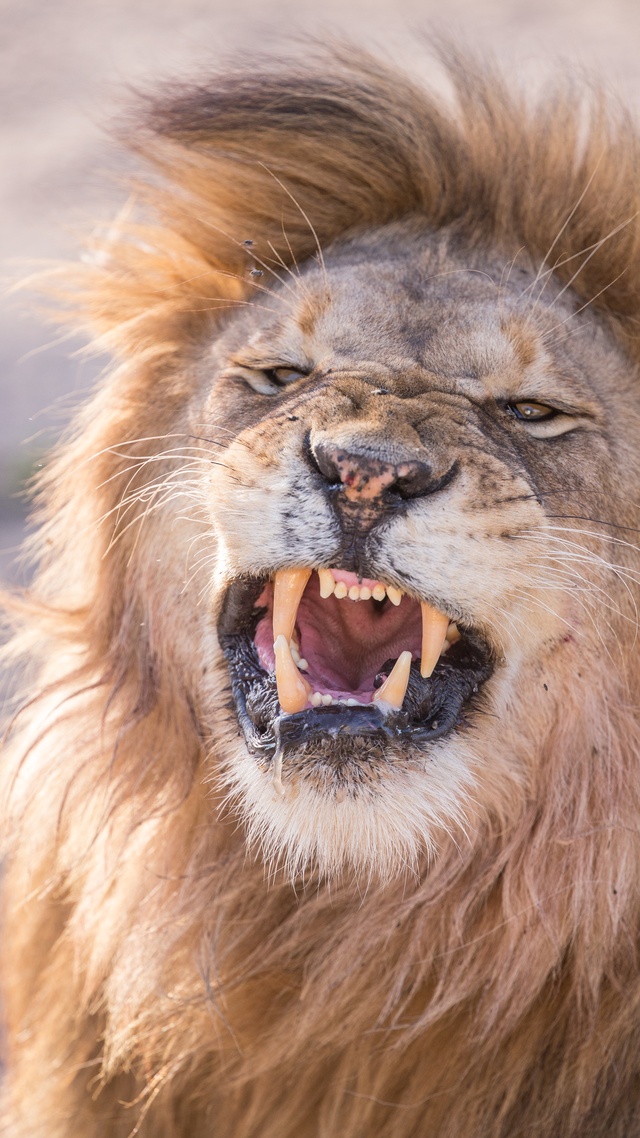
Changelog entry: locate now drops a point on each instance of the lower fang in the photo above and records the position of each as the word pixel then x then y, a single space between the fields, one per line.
pixel 293 690
pixel 394 688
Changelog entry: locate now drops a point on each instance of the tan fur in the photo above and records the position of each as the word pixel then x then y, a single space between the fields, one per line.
pixel 452 948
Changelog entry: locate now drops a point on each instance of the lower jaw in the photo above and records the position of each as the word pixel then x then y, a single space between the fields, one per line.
pixel 432 709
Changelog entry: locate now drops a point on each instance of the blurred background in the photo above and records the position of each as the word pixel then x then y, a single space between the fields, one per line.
pixel 65 67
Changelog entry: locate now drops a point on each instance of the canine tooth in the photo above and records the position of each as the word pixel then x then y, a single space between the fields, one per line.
pixel 378 593
pixel 293 690
pixel 341 590
pixel 327 583
pixel 288 587
pixel 394 595
pixel 316 699
pixel 394 687
pixel 302 664
pixel 365 593
pixel 354 593
pixel 434 631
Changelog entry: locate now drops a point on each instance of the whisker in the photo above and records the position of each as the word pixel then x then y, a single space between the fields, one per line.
pixel 612 233
pixel 308 221
pixel 568 219
pixel 240 245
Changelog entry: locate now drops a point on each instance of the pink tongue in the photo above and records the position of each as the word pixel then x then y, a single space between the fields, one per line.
pixel 345 642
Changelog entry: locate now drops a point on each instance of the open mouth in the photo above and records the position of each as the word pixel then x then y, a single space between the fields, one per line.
pixel 321 656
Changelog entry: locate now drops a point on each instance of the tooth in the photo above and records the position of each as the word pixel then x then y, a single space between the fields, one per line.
pixel 365 593
pixel 293 690
pixel 288 587
pixel 452 633
pixel 327 699
pixel 394 687
pixel 378 593
pixel 341 590
pixel 354 593
pixel 327 583
pixel 302 664
pixel 394 595
pixel 294 650
pixel 316 699
pixel 434 631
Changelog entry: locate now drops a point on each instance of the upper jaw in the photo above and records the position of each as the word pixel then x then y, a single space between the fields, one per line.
pixel 269 625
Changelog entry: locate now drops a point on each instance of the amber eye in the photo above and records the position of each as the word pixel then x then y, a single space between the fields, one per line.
pixel 284 375
pixel 527 411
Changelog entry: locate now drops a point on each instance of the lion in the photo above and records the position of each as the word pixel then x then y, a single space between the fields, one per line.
pixel 321 811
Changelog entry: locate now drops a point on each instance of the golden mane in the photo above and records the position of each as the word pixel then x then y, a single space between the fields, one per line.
pixel 525 945
pixel 305 152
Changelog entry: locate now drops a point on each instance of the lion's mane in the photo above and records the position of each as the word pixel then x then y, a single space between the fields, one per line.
pixel 156 981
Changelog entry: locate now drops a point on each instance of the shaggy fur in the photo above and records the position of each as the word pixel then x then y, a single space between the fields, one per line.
pixel 185 955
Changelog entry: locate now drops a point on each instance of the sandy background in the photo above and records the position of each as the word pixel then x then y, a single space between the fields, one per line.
pixel 65 66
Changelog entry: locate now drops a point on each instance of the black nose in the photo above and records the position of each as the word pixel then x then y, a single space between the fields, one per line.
pixel 365 478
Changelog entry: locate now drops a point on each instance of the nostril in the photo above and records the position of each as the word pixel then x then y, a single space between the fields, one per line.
pixel 414 479
pixel 417 479
pixel 326 461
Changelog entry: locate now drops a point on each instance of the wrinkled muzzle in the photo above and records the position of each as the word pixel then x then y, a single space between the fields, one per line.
pixel 327 652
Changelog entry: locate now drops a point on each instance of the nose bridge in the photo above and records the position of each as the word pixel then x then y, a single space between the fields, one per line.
pixel 377 427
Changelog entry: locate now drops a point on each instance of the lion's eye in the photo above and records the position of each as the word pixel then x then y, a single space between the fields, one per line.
pixel 284 375
pixel 267 380
pixel 527 411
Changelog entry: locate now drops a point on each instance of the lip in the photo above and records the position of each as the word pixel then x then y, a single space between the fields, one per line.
pixel 432 708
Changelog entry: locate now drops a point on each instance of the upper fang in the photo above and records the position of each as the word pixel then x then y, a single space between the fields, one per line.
pixel 288 587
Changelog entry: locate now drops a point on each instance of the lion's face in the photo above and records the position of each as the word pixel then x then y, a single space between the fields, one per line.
pixel 395 437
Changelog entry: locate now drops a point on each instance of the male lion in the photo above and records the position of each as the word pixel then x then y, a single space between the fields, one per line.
pixel 322 814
